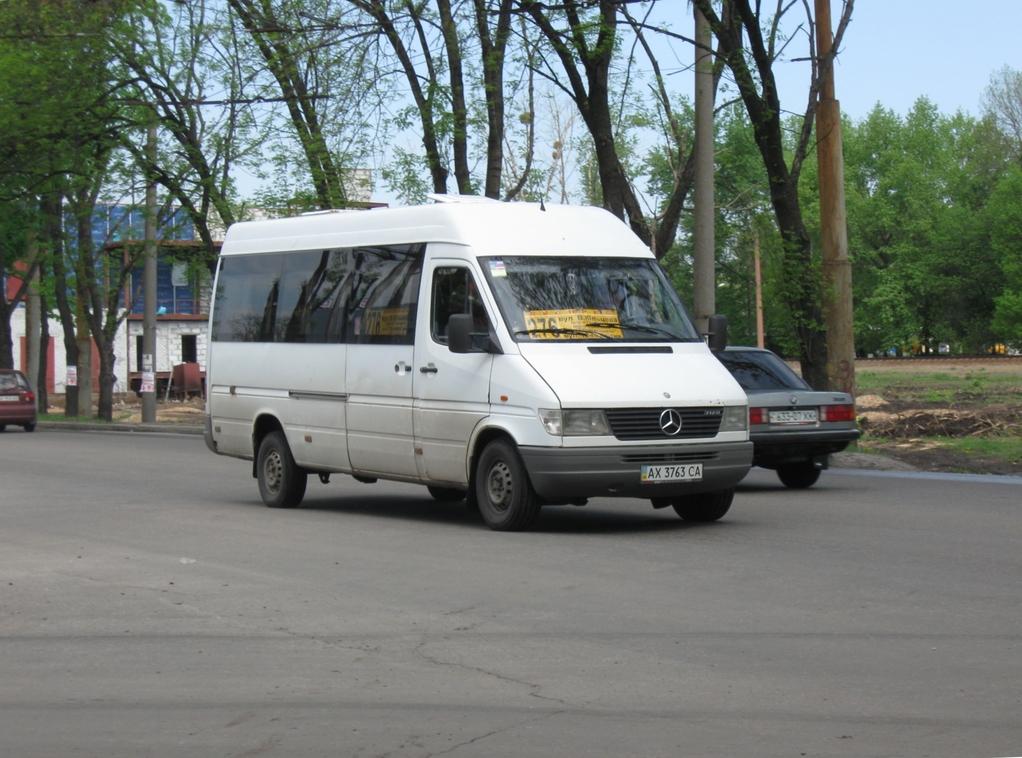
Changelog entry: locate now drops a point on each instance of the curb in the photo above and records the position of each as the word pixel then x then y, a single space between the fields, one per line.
pixel 85 426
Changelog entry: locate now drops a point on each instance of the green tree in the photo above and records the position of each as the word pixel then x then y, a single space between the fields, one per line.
pixel 1004 215
pixel 918 187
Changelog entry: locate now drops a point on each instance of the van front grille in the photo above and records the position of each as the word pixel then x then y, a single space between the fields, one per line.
pixel 645 423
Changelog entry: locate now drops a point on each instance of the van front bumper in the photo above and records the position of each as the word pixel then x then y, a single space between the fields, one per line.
pixel 569 473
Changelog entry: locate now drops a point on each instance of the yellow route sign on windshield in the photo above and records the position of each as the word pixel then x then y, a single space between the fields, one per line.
pixel 572 318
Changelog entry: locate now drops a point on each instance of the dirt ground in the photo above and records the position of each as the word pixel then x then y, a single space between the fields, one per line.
pixel 128 409
pixel 900 428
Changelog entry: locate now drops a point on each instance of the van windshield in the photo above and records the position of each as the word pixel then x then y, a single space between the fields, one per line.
pixel 587 299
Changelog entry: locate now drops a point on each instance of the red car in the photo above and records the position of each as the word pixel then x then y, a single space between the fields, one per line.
pixel 17 400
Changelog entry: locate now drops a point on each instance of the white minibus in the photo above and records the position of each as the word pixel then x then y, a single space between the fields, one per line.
pixel 512 354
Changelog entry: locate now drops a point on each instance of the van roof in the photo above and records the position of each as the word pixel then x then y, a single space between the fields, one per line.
pixel 490 228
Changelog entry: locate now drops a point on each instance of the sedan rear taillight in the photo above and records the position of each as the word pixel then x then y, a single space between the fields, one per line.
pixel 27 396
pixel 837 413
pixel 757 416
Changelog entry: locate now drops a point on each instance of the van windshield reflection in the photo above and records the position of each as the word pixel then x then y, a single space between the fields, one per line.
pixel 547 298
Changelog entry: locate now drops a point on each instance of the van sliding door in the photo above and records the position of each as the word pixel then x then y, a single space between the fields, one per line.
pixel 381 335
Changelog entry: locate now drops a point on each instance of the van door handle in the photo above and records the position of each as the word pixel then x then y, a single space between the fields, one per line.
pixel 402 368
pixel 430 369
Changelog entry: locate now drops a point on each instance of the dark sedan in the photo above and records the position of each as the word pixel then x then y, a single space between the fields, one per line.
pixel 17 401
pixel 793 428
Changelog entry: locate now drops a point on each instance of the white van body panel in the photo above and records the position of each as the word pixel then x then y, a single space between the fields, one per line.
pixel 581 379
pixel 487 228
pixel 379 383
pixel 303 386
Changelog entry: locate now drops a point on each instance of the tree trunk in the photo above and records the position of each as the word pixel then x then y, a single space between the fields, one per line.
pixel 6 343
pixel 105 407
pixel 459 111
pixel 493 51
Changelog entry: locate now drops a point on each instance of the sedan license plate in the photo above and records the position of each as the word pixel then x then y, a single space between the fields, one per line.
pixel 671 472
pixel 9 398
pixel 794 417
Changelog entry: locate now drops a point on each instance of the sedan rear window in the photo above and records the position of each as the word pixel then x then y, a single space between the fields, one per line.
pixel 761 370
pixel 9 382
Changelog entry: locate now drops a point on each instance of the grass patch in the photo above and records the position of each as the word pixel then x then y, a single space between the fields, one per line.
pixel 1004 449
pixel 62 417
pixel 941 387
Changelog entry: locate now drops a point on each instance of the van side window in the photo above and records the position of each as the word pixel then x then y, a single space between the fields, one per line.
pixel 366 295
pixel 455 291
pixel 385 293
pixel 246 298
pixel 312 301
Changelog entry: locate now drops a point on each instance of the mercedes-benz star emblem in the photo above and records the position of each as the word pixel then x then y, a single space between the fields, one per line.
pixel 670 422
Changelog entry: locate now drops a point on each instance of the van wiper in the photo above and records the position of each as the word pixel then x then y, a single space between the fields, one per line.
pixel 648 328
pixel 561 330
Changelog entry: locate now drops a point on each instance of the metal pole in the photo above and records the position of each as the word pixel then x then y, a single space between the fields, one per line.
pixel 837 270
pixel 703 262
pixel 149 290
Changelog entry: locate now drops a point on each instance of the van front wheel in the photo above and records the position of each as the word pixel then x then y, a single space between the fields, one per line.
pixel 504 493
pixel 281 481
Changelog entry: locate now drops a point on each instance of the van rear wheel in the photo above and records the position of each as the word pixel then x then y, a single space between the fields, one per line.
pixel 281 481
pixel 507 502
pixel 705 506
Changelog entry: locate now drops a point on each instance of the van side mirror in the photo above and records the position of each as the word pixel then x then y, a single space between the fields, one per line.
pixel 717 334
pixel 459 333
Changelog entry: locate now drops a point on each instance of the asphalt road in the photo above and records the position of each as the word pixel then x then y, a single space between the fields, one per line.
pixel 150 605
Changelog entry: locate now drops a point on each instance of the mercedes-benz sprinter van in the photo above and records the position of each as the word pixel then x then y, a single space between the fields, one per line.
pixel 512 354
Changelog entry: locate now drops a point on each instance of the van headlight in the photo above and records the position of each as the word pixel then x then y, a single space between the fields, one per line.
pixel 735 418
pixel 574 422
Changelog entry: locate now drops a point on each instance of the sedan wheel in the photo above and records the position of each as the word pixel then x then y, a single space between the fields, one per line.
pixel 798 476
pixel 706 506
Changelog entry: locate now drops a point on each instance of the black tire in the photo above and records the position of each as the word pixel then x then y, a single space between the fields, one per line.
pixel 798 476
pixel 706 506
pixel 504 493
pixel 281 481
pixel 30 427
pixel 2 427
pixel 446 494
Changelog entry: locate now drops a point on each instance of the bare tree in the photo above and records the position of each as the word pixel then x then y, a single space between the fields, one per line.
pixel 750 44
pixel 434 48
pixel 1003 101
pixel 317 56
pixel 583 37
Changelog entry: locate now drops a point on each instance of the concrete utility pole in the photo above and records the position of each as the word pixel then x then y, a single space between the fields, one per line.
pixel 703 287
pixel 837 270
pixel 33 317
pixel 149 290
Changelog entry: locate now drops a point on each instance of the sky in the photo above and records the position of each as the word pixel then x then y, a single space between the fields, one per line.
pixel 893 52
pixel 898 50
